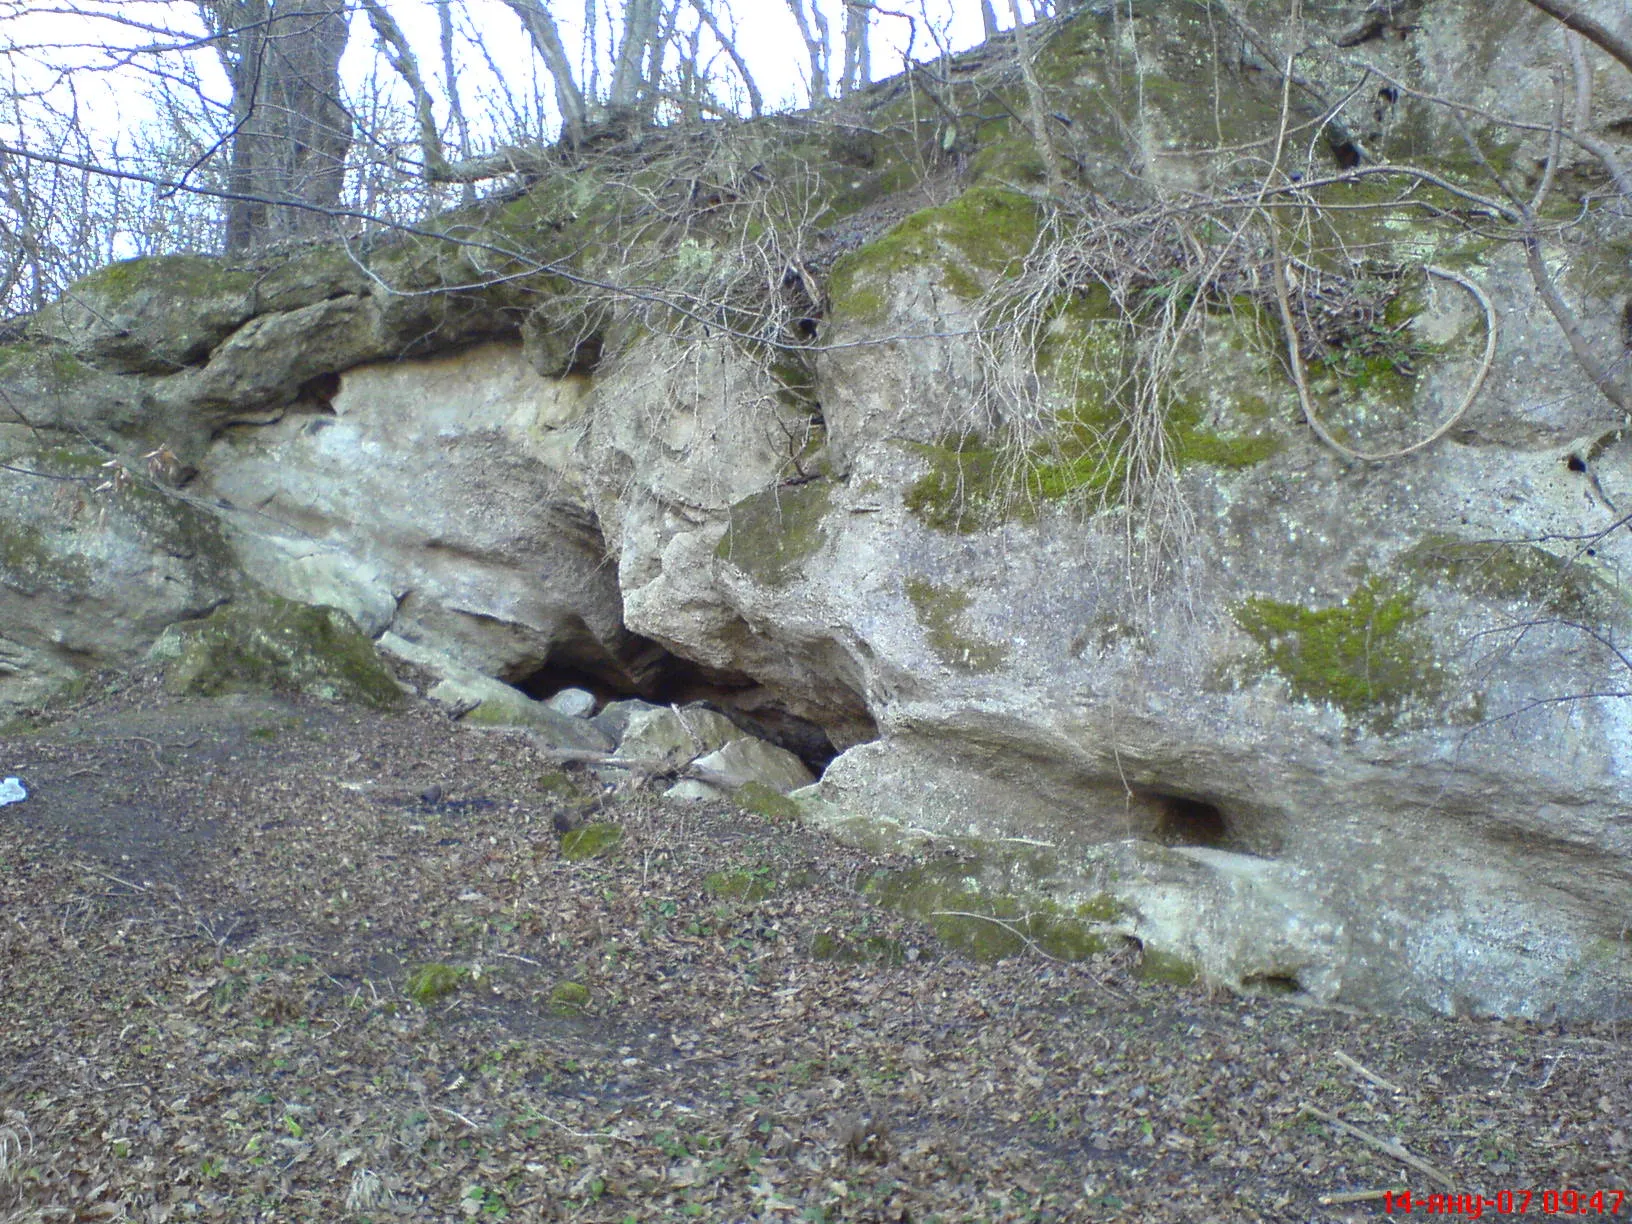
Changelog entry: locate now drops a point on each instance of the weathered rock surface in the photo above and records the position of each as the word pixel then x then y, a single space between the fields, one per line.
pixel 1352 729
pixel 266 643
pixel 437 495
pixel 88 579
pixel 674 737
pixel 573 702
pixel 738 763
pixel 484 701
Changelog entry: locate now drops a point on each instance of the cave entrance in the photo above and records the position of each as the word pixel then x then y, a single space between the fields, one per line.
pixel 1183 820
pixel 666 678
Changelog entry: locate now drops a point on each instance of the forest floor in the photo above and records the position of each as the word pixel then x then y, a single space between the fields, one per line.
pixel 216 919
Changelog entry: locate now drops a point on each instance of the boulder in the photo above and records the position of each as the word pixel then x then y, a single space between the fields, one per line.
pixel 667 735
pixel 1346 727
pixel 150 316
pixel 483 701
pixel 92 569
pixel 573 702
pixel 492 557
pixel 615 715
pixel 272 644
pixel 738 763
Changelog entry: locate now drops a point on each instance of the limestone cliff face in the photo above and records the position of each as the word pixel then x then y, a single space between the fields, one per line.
pixel 1037 530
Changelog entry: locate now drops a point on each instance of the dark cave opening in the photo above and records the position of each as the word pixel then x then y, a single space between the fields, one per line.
pixel 1272 984
pixel 1182 820
pixel 670 679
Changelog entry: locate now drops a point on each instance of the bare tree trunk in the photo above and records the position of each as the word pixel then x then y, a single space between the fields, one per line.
pixel 401 57
pixel 988 19
pixel 1037 105
pixel 756 103
pixel 456 110
pixel 546 39
pixel 291 134
pixel 813 29
pixel 640 35
pixel 858 66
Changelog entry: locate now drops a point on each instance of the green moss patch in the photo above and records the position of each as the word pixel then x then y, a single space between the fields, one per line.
pixel 767 801
pixel 985 924
pixel 28 563
pixel 49 365
pixel 961 492
pixel 974 482
pixel 1156 966
pixel 171 276
pixel 774 532
pixel 745 885
pixel 557 785
pixel 434 981
pixel 1364 656
pixel 939 610
pixel 1523 573
pixel 1085 449
pixel 276 644
pixel 569 999
pixel 591 841
pixel 857 948
pixel 982 234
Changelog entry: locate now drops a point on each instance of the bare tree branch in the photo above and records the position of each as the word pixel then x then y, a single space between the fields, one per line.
pixel 1588 27
pixel 540 26
pixel 401 57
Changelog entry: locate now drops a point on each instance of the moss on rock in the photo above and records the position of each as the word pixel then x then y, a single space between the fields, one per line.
pixel 767 801
pixel 430 982
pixel 746 886
pixel 975 482
pixel 857 948
pixel 591 841
pixel 939 610
pixel 983 233
pixel 774 532
pixel 961 491
pixel 984 923
pixel 50 365
pixel 1364 656
pixel 28 563
pixel 569 999
pixel 1522 573
pixel 271 643
pixel 1158 966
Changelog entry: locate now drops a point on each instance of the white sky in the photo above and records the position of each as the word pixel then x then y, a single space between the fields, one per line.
pixel 66 48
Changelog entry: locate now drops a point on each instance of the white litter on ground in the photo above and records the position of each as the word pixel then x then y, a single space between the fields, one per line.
pixel 11 791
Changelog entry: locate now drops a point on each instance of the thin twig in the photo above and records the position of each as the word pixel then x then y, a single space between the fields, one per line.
pixel 1358 1069
pixel 1389 1147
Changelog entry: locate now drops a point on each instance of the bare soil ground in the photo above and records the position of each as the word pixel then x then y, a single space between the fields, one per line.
pixel 211 913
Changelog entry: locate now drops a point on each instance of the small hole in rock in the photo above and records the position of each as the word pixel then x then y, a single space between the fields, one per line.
pixel 320 392
pixel 1183 821
pixel 1270 984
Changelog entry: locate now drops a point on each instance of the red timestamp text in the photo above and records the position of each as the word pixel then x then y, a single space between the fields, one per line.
pixel 1510 1202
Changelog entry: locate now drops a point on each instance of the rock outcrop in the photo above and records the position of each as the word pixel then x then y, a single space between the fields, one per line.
pixel 1293 719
